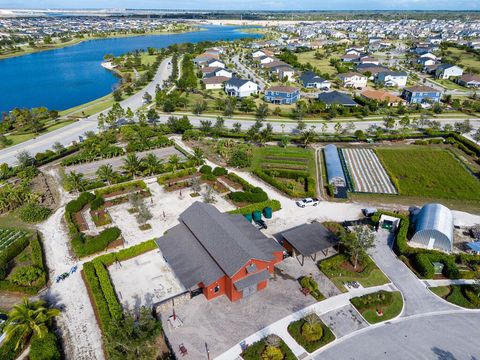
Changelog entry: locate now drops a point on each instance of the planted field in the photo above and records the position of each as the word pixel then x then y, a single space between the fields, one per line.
pixel 367 172
pixel 429 173
pixel 9 236
pixel 291 170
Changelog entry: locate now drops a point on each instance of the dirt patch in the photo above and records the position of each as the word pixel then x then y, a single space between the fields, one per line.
pixel 117 243
pixel 232 184
pixel 80 221
pixel 41 186
pixel 347 265
pixel 8 299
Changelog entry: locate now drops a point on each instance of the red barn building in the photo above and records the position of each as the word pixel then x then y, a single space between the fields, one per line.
pixel 221 254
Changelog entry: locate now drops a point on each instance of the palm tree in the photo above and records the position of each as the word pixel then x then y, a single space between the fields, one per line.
pixel 106 173
pixel 131 165
pixel 174 160
pixel 29 318
pixel 75 181
pixel 197 156
pixel 151 164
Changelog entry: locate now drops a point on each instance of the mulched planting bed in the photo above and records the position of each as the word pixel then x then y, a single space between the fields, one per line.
pixel 284 166
pixel 295 330
pixel 116 243
pixel 100 217
pixel 231 183
pixel 80 221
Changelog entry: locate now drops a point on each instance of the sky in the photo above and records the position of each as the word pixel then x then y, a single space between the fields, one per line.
pixel 250 4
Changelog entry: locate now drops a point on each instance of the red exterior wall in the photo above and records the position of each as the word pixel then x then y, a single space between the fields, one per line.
pixel 227 286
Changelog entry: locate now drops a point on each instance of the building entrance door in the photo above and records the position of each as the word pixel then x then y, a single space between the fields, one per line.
pixel 250 290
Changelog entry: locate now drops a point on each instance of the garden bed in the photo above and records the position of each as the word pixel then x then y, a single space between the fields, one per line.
pixel 310 345
pixel 379 306
pixel 257 349
pixel 461 295
pixel 339 269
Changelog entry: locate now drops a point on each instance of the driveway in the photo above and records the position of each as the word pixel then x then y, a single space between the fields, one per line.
pixel 418 299
pixel 262 84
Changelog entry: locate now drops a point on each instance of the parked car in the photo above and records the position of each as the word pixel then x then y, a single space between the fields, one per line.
pixel 307 202
pixel 260 224
pixel 368 212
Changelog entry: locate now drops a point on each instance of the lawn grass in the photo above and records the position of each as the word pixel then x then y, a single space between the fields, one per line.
pixel 390 310
pixel 467 59
pixel 429 173
pixel 455 295
pixel 370 276
pixel 91 107
pixel 295 330
pixel 19 138
pixel 323 65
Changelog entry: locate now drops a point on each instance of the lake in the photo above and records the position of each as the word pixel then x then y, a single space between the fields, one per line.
pixel 63 78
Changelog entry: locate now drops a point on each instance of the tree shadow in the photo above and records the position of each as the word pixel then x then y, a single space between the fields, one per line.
pixel 443 354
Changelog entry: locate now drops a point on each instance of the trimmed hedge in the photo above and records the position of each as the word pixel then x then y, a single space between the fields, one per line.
pixel 250 197
pixel 97 203
pixel 308 181
pixel 274 204
pixel 45 348
pixel 219 171
pixel 107 289
pixel 121 187
pixel 79 203
pixel 205 169
pixel 87 245
pixel 176 175
pixel 10 252
pixel 93 283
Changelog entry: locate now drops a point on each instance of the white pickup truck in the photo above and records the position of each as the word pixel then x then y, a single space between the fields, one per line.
pixel 307 202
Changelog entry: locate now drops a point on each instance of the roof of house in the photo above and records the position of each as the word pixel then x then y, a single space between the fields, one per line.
pixel 392 73
pixel 349 75
pixel 211 61
pixel 421 88
pixel 470 77
pixel 380 95
pixel 209 69
pixel 251 280
pixel 208 244
pixel 309 239
pixel 274 63
pixel 215 80
pixel 286 89
pixel 350 56
pixel 309 77
pixel 236 82
pixel 336 97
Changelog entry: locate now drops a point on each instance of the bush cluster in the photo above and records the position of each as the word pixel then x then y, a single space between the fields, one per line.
pixel 32 213
pixel 45 348
pixel 219 171
pixel 205 169
pixel 306 180
pixel 97 203
pixel 274 204
pixel 309 283
pixel 79 203
pixel 137 184
pixel 375 300
pixel 176 175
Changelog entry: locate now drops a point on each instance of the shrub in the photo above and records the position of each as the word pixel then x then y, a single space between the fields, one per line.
pixel 272 353
pixel 10 252
pixel 250 197
pixel 44 348
pixel 240 158
pixel 274 204
pixel 97 203
pixel 219 171
pixel 26 275
pixel 205 169
pixel 107 289
pixel 424 266
pixel 84 246
pixel 176 175
pixel 312 332
pixel 33 213
pixel 93 284
pixel 78 204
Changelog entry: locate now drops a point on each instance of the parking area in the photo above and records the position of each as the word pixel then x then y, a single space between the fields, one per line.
pixel 144 280
pixel 344 321
pixel 89 169
pixel 226 323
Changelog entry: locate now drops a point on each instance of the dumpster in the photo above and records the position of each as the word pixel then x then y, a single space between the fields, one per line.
pixel 257 215
pixel 267 212
pixel 248 217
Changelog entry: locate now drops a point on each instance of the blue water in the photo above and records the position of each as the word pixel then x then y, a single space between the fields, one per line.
pixel 62 78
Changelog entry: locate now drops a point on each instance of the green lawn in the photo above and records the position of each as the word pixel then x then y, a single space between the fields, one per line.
pixel 368 306
pixel 429 173
pixel 467 59
pixel 91 107
pixel 455 294
pixel 337 270
pixel 295 330
pixel 255 351
pixel 323 65
pixel 450 84
pixel 19 138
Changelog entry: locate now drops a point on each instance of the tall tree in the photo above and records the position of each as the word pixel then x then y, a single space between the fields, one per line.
pixel 106 173
pixel 357 243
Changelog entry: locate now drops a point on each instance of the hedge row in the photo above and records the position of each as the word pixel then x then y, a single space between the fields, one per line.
pixel 86 245
pixel 378 299
pixel 121 187
pixel 309 182
pixel 249 197
pixel 99 283
pixel 176 175
pixel 274 204
pixel 10 252
pixel 424 265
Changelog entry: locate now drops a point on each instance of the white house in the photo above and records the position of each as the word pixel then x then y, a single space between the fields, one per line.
pixel 266 59
pixel 392 78
pixel 214 82
pixel 215 63
pixel 353 80
pixel 220 72
pixel 240 88
pixel 446 71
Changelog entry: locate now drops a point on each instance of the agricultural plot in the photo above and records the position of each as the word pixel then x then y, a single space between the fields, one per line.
pixel 429 173
pixel 9 236
pixel 291 170
pixel 367 172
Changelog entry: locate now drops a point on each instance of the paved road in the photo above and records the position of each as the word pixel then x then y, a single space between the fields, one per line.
pixel 261 83
pixel 418 299
pixel 435 337
pixel 71 132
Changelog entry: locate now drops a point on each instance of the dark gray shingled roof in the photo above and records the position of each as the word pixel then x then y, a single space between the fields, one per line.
pixel 336 97
pixel 309 239
pixel 234 81
pixel 310 77
pixel 251 280
pixel 208 244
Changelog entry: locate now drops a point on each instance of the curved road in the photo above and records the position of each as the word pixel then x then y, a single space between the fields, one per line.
pixel 69 133
pixel 436 337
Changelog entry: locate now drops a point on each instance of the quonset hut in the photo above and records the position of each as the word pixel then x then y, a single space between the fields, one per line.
pixel 335 174
pixel 434 227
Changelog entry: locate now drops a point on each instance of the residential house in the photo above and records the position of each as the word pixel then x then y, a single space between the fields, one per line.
pixel 470 80
pixel 274 64
pixel 369 60
pixel 382 97
pixel 259 53
pixel 446 71
pixel 392 78
pixel 310 80
pixel 240 88
pixel 282 95
pixel 266 60
pixel 215 63
pixel 219 72
pixel 214 82
pixel 219 253
pixel 336 98
pixel 353 80
pixel 284 72
pixel 350 58
pixel 373 70
pixel 421 95
pixel 202 59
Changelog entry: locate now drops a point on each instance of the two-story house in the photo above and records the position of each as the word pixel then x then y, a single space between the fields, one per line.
pixel 421 95
pixel 240 88
pixel 392 78
pixel 282 95
pixel 353 80
pixel 446 71
pixel 310 80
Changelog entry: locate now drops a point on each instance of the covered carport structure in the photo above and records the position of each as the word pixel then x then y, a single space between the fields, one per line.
pixel 308 240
